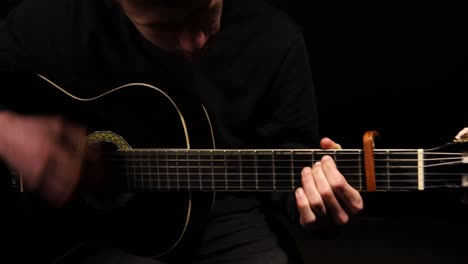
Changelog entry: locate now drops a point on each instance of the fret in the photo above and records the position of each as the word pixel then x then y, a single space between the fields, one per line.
pixel 349 166
pixel 387 163
pixel 273 169
pixel 360 171
pixel 264 166
pixel 200 170
pixel 205 170
pixel 145 177
pixel 147 170
pixel 136 175
pixel 292 170
pixel 128 173
pixel 138 170
pixel 176 160
pixel 219 170
pixel 283 170
pixel 156 165
pixel 142 170
pixel 168 186
pixel 346 161
pixel 225 171
pixel 249 177
pixel 212 172
pixel 194 171
pixel 233 169
pixel 256 171
pixel 240 170
pixel 132 172
pixel 183 171
pixel 162 170
pixel 301 160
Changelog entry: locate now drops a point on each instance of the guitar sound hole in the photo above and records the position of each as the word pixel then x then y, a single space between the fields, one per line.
pixel 104 186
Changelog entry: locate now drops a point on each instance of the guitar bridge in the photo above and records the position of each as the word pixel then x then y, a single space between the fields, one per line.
pixel 16 181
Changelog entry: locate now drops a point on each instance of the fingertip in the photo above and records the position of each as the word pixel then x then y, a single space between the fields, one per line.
pixel 326 141
pixel 306 170
pixel 342 219
pixel 299 193
pixel 327 160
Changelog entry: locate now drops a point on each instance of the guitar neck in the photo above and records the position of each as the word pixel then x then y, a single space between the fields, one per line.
pixel 279 170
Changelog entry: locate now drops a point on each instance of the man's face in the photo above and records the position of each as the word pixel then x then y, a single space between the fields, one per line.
pixel 184 29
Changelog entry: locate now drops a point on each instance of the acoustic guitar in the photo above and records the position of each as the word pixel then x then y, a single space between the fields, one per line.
pixel 166 169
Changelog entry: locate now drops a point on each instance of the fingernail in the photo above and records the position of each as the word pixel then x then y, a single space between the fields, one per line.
pixel 326 157
pixel 305 170
pixel 299 193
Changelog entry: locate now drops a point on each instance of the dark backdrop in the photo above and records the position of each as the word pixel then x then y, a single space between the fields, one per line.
pixel 398 67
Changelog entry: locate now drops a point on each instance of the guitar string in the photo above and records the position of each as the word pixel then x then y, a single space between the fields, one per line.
pixel 250 177
pixel 287 176
pixel 456 159
pixel 278 188
pixel 137 186
pixel 212 164
pixel 180 170
pixel 285 180
pixel 230 156
pixel 268 153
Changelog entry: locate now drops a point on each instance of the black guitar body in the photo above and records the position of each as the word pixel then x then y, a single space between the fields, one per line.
pixel 154 224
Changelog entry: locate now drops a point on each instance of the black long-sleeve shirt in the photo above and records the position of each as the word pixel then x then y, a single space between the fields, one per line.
pixel 254 80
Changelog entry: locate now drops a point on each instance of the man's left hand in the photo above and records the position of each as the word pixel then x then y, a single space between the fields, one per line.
pixel 325 194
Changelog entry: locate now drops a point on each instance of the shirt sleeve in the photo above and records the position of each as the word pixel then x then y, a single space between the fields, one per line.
pixel 14 41
pixel 36 35
pixel 294 120
pixel 31 37
pixel 12 63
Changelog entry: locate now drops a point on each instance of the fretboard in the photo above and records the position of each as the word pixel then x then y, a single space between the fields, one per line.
pixel 280 170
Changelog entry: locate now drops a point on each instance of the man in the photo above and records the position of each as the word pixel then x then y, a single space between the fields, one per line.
pixel 245 61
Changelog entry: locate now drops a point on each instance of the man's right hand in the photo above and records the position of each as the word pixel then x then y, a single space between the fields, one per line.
pixel 46 151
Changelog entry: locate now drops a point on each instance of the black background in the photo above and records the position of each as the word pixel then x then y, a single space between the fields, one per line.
pixel 398 67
